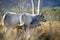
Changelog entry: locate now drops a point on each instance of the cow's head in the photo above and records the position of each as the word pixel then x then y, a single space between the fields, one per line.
pixel 41 18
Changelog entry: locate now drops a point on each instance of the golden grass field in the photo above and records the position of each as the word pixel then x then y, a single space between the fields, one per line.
pixel 49 30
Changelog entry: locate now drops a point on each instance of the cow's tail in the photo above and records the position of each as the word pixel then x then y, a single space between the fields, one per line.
pixel 21 20
pixel 3 18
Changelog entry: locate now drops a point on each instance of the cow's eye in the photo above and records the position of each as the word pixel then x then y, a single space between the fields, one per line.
pixel 43 16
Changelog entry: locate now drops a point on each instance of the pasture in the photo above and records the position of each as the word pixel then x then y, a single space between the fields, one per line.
pixel 49 30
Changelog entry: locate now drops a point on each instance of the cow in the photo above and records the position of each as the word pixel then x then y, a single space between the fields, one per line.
pixel 12 20
pixel 33 19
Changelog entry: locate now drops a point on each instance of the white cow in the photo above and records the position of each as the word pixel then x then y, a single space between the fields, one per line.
pixel 11 20
pixel 33 19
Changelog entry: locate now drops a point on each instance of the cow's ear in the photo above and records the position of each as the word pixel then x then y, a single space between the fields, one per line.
pixel 41 14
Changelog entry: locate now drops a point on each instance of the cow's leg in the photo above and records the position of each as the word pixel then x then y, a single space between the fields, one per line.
pixel 8 30
pixel 23 28
pixel 17 33
pixel 28 26
pixel 23 31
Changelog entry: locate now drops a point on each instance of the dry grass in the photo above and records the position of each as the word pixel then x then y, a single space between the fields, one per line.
pixel 49 30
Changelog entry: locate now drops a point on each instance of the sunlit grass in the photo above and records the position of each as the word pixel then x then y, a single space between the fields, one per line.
pixel 48 30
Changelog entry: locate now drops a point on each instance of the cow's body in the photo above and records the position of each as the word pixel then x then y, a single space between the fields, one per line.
pixel 11 20
pixel 32 20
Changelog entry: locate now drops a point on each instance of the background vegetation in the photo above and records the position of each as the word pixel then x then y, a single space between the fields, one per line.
pixel 51 13
pixel 49 30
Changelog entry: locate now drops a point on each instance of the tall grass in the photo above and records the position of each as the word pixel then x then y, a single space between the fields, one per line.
pixel 49 30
